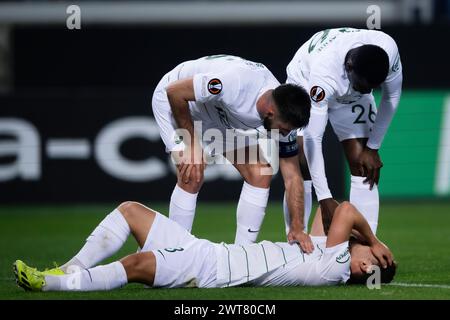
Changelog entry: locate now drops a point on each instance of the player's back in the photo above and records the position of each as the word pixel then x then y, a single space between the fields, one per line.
pixel 219 63
pixel 324 266
pixel 226 89
pixel 324 53
pixel 282 264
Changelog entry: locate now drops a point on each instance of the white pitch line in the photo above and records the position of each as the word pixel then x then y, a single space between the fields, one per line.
pixel 419 285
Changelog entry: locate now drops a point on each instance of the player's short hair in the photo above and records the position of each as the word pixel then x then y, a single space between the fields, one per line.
pixel 386 275
pixel 370 62
pixel 293 103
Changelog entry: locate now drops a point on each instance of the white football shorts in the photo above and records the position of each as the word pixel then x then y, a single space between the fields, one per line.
pixel 182 260
pixel 350 121
pixel 166 122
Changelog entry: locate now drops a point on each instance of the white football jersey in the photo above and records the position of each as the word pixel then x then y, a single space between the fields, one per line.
pixel 319 65
pixel 227 89
pixel 282 264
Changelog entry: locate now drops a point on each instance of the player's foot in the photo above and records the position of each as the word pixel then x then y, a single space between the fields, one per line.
pixel 56 271
pixel 28 278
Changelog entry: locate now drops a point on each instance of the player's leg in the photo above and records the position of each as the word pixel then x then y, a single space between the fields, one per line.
pixel 364 199
pixel 184 201
pixel 352 125
pixel 254 195
pixel 170 257
pixel 307 185
pixel 112 232
pixel 184 196
pixel 194 265
pixel 138 267
pixel 152 230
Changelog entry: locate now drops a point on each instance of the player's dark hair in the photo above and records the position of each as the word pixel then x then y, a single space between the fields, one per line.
pixel 370 62
pixel 386 275
pixel 294 104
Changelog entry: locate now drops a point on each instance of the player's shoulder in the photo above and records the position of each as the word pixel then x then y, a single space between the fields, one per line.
pixel 381 39
pixel 379 34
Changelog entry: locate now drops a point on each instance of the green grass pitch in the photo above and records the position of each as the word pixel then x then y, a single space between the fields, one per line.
pixel 418 233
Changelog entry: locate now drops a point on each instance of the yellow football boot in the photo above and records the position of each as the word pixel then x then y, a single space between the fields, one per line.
pixel 56 271
pixel 28 278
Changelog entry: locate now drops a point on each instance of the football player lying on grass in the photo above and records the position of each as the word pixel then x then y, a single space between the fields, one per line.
pixel 171 257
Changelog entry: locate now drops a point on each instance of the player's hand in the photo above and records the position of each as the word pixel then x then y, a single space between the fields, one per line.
pixel 190 163
pixel 382 253
pixel 327 206
pixel 370 165
pixel 302 238
pixel 191 172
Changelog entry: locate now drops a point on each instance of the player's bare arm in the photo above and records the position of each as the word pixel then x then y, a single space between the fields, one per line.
pixel 370 165
pixel 179 93
pixel 327 207
pixel 346 220
pixel 293 183
pixel 363 161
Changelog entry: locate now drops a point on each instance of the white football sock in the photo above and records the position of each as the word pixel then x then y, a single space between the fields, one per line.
pixel 250 213
pixel 365 200
pixel 182 207
pixel 307 185
pixel 104 241
pixel 105 277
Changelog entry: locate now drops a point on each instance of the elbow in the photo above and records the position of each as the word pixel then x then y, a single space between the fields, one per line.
pixel 344 209
pixel 170 91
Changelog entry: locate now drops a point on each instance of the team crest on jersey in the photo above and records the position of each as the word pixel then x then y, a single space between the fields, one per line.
pixel 343 257
pixel 317 94
pixel 214 86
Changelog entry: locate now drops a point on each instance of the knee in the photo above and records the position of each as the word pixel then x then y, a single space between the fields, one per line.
pixel 140 267
pixel 130 210
pixel 133 263
pixel 259 176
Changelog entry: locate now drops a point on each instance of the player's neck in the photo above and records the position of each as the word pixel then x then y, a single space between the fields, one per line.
pixel 263 104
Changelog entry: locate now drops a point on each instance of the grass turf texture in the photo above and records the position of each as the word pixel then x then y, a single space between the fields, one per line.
pixel 418 234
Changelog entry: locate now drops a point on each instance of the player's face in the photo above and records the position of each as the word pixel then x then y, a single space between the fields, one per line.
pixel 275 123
pixel 360 84
pixel 362 260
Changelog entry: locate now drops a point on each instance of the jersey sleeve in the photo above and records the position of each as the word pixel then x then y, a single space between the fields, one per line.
pixel 395 63
pixel 391 92
pixel 321 88
pixel 334 266
pixel 223 86
pixel 320 92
